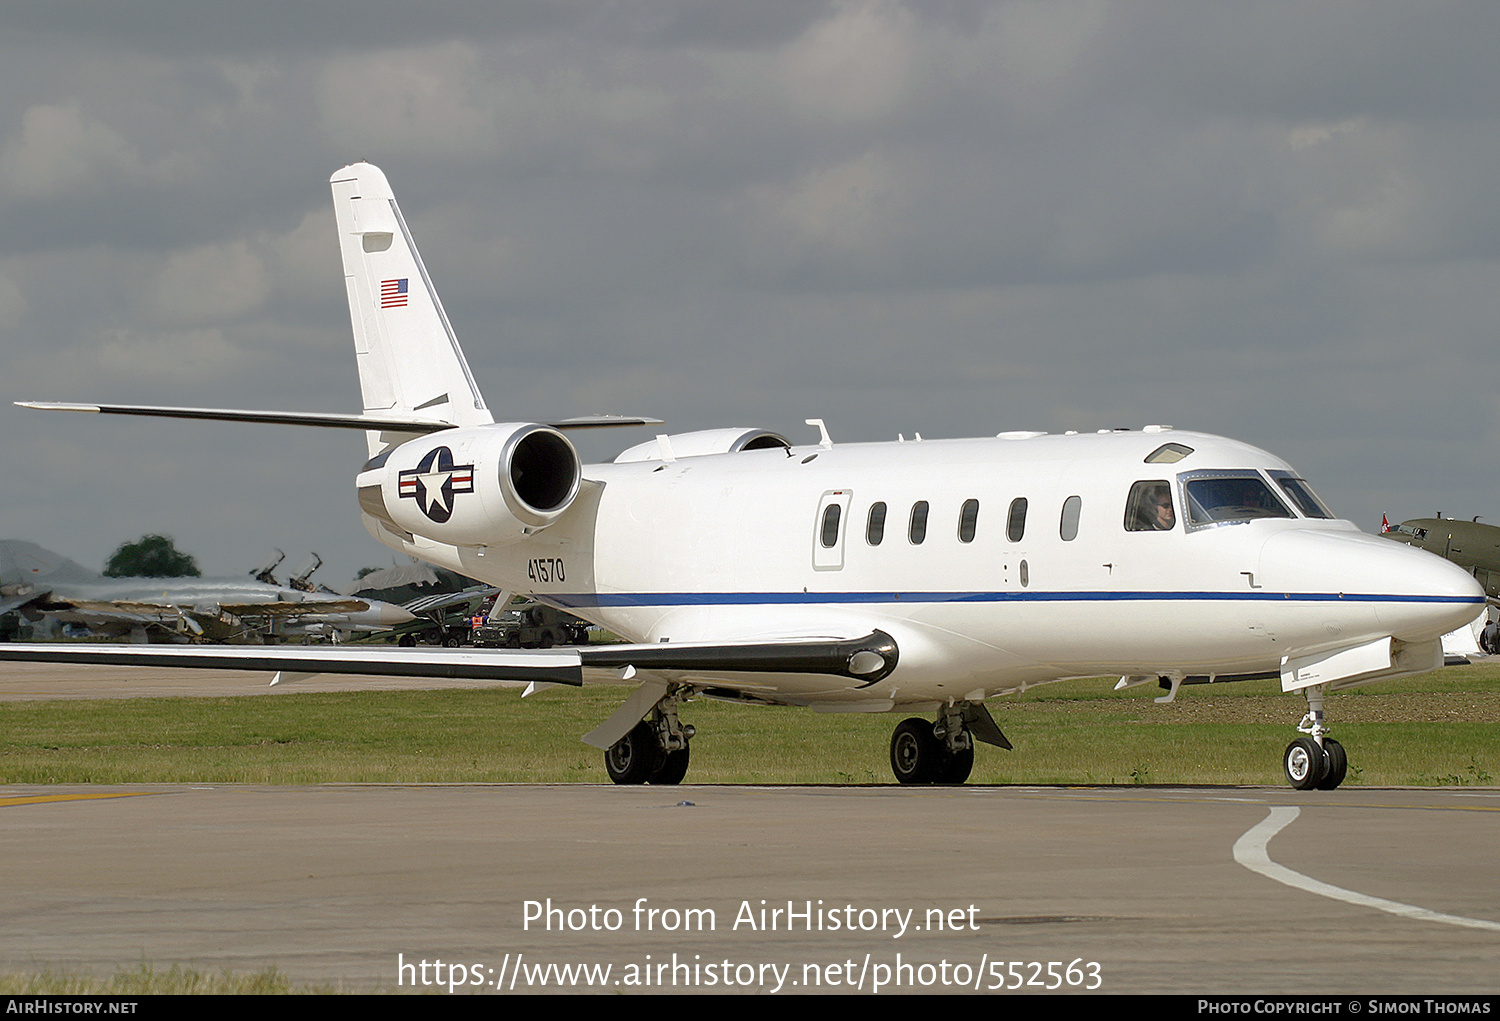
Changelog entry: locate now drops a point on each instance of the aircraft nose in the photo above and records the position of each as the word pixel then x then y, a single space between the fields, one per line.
pixel 392 615
pixel 1415 595
pixel 1436 597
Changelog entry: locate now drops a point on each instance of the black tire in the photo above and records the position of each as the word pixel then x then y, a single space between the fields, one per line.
pixel 1335 765
pixel 916 755
pixel 547 640
pixel 674 766
pixel 406 642
pixel 513 642
pixel 1302 762
pixel 452 642
pixel 957 767
pixel 636 757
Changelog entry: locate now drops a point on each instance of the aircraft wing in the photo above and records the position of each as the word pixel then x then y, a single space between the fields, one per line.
pixel 283 608
pixel 444 600
pixel 10 603
pixel 865 660
pixel 138 610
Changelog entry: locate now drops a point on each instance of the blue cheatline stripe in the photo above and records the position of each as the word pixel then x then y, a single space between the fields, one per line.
pixel 581 600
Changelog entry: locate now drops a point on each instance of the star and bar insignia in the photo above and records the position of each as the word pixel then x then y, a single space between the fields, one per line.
pixel 434 482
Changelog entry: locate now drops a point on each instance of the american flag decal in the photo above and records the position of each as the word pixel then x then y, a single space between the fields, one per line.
pixel 393 293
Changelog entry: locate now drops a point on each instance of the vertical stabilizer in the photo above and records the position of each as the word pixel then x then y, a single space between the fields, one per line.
pixel 409 359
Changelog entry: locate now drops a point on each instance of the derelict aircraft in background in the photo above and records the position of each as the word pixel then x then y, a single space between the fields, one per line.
pixel 1472 545
pixel 924 577
pixel 35 582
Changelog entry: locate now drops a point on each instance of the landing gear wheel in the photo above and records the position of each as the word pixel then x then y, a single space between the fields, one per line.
pixel 636 757
pixel 1335 765
pixel 406 641
pixel 956 767
pixel 916 755
pixel 1303 763
pixel 673 768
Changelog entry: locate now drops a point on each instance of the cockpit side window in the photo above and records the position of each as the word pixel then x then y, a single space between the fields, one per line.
pixel 1229 497
pixel 1149 508
pixel 1301 494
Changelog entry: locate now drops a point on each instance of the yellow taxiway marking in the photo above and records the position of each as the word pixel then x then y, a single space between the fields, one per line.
pixel 42 799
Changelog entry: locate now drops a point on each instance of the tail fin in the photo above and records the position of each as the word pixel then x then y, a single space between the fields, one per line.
pixel 25 565
pixel 410 363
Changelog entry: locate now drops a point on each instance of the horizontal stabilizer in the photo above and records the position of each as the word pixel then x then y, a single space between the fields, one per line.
pixel 602 422
pixel 327 421
pixel 379 423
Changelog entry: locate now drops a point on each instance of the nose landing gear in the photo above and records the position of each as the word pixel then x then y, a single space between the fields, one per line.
pixel 1316 761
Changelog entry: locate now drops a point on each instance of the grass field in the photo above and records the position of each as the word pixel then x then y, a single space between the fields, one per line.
pixel 1440 729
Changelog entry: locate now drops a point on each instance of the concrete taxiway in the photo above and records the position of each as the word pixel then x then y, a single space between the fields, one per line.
pixel 715 888
pixel 708 889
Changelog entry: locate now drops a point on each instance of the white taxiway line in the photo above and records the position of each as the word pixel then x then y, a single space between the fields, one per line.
pixel 1250 851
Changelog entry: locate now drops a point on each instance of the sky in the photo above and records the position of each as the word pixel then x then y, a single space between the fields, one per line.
pixel 1273 221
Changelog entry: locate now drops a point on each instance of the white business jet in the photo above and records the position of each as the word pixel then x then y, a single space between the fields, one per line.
pixel 924 576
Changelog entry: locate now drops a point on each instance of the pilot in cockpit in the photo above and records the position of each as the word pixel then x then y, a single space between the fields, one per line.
pixel 1153 509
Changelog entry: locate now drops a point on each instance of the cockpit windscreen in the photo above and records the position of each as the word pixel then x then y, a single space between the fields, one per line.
pixel 1230 496
pixel 1301 494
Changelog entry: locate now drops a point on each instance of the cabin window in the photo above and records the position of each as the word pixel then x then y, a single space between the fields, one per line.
pixel 968 518
pixel 1015 523
pixel 1301 494
pixel 1229 497
pixel 1149 508
pixel 917 531
pixel 829 535
pixel 1068 527
pixel 875 526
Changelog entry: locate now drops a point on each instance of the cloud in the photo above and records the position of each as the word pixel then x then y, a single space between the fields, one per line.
pixel 853 65
pixel 846 210
pixel 60 151
pixel 13 302
pixel 418 101
pixel 174 358
pixel 210 284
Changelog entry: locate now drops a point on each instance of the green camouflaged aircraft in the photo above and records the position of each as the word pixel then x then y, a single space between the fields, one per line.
pixel 1472 545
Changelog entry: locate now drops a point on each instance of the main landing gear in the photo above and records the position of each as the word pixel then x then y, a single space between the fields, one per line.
pixel 1316 761
pixel 942 752
pixel 656 749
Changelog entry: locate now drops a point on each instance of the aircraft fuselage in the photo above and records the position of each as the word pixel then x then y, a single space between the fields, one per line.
pixel 983 593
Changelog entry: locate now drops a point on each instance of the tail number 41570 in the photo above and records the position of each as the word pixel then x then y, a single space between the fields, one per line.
pixel 545 569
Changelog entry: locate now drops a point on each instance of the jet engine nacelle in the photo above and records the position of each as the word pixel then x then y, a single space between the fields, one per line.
pixel 481 486
pixel 705 441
